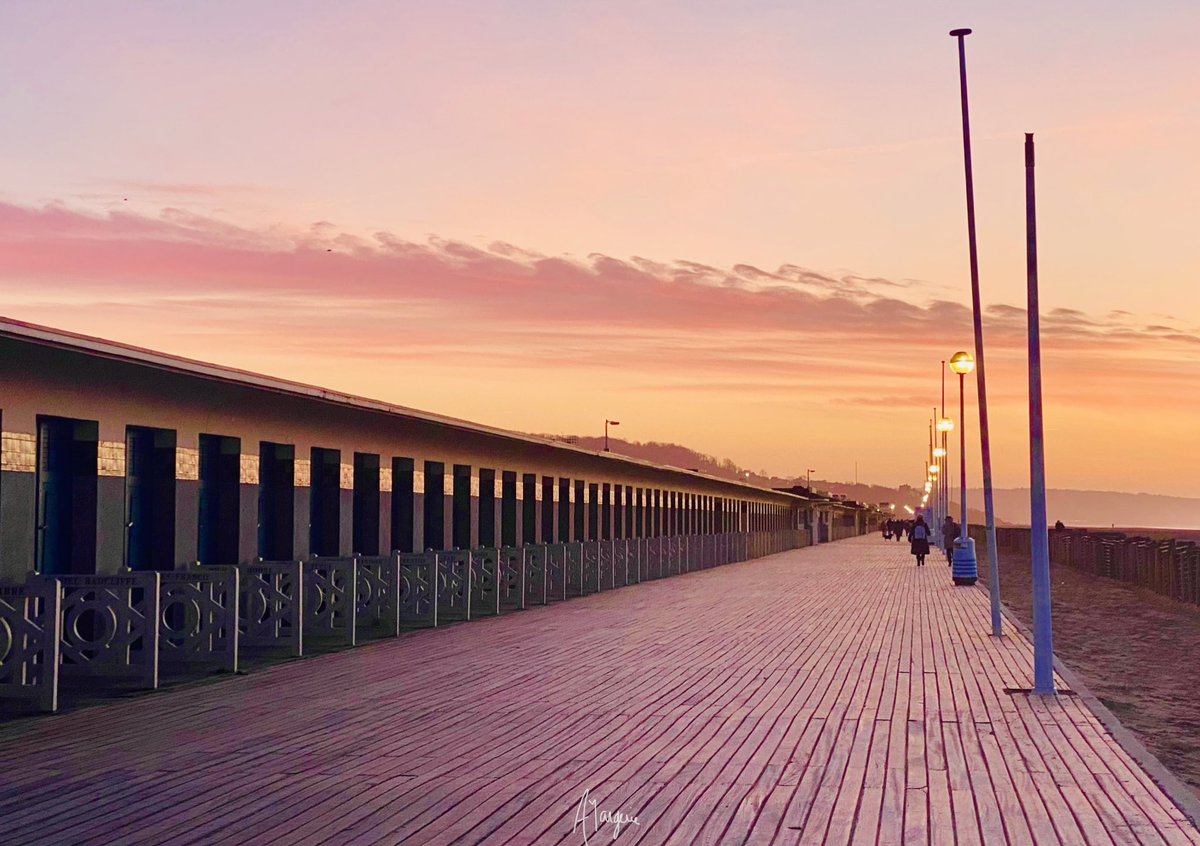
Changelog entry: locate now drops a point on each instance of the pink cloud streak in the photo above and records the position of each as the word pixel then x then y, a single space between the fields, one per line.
pixel 380 314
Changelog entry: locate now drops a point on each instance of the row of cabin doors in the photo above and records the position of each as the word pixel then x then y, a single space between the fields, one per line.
pixel 67 498
pixel 68 495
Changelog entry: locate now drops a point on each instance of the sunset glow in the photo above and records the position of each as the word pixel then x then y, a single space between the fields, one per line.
pixel 733 226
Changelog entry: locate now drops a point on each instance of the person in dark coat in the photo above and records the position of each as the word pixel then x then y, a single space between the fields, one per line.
pixel 901 529
pixel 920 540
pixel 949 534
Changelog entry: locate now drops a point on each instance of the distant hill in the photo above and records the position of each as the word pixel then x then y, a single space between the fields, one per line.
pixel 1099 509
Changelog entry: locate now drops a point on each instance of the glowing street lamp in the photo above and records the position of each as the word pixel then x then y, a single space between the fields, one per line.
pixel 938 452
pixel 962 363
pixel 945 424
pixel 965 568
pixel 934 469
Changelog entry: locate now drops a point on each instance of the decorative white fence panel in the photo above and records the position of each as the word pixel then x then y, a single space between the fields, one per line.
pixel 272 605
pixel 607 576
pixel 377 594
pixel 511 581
pixel 330 604
pixel 418 589
pixel 576 574
pixel 556 571
pixel 198 618
pixel 455 585
pixel 654 557
pixel 591 567
pixel 485 582
pixel 110 626
pixel 30 636
pixel 621 562
pixel 537 576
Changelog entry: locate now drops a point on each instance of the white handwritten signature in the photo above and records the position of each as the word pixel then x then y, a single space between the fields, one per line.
pixel 589 811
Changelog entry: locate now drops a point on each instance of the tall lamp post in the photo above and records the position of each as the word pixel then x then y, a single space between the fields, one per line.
pixel 1043 636
pixel 930 474
pixel 608 423
pixel 943 485
pixel 985 448
pixel 941 448
pixel 812 512
pixel 945 425
pixel 964 568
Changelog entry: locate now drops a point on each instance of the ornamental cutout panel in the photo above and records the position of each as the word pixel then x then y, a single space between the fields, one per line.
pixel 575 578
pixel 198 617
pixel 591 567
pixel 329 605
pixel 454 586
pixel 30 615
pixel 537 575
pixel 485 581
pixel 556 571
pixel 378 594
pixel 110 626
pixel 607 575
pixel 418 589
pixel 271 605
pixel 511 567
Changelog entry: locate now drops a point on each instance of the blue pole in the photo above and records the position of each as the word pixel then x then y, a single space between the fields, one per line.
pixel 1043 634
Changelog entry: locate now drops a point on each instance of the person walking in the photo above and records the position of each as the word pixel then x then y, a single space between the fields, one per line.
pixel 901 529
pixel 920 540
pixel 950 532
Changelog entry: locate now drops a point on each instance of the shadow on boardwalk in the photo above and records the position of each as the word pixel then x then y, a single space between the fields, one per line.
pixel 833 694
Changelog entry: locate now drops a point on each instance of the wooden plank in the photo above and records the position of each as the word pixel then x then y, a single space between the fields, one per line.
pixel 835 694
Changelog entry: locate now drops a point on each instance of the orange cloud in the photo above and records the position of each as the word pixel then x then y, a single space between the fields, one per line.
pixel 841 365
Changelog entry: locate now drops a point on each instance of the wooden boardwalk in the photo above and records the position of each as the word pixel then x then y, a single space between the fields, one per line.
pixel 828 695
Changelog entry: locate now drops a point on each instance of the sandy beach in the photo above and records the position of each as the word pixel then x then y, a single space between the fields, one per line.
pixel 1133 648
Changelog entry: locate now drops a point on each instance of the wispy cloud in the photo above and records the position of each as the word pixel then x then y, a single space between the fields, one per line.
pixel 423 322
pixel 183 259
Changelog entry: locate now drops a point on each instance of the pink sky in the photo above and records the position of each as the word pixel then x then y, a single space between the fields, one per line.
pixel 736 226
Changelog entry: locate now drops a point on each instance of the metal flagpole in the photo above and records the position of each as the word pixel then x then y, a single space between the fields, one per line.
pixel 981 380
pixel 1043 632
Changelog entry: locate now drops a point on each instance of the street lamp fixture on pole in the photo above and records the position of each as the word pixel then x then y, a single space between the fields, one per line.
pixel 608 423
pixel 965 568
